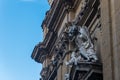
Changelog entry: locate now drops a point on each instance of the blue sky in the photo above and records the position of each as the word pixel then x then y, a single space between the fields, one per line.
pixel 20 31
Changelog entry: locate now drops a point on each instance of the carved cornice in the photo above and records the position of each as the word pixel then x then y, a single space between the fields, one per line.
pixel 39 53
pixel 55 11
pixel 41 50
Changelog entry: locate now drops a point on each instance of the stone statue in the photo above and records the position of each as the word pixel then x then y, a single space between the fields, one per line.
pixel 84 6
pixel 66 77
pixel 85 45
pixel 72 32
pixel 74 59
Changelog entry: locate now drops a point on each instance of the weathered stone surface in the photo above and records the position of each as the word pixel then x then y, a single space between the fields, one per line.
pixel 111 38
pixel 107 44
pixel 115 14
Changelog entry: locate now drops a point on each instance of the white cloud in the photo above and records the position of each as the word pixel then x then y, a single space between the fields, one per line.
pixel 29 0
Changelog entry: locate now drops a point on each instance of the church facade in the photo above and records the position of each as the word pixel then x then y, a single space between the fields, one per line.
pixel 81 41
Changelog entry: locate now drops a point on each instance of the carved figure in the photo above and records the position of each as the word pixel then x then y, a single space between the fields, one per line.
pixel 72 32
pixel 85 45
pixel 66 76
pixel 74 59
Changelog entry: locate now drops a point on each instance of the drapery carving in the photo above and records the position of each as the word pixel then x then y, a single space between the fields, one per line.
pixel 84 50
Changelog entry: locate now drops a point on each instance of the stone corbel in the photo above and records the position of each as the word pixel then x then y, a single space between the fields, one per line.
pixel 75 58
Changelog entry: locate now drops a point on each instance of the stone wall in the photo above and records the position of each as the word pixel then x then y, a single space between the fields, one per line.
pixel 110 19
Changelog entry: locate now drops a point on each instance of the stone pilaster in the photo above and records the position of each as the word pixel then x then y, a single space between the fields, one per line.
pixel 106 45
pixel 110 19
pixel 115 15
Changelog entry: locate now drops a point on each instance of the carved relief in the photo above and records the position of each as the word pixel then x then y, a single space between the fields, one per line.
pixel 66 77
pixel 75 58
pixel 84 47
pixel 84 6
